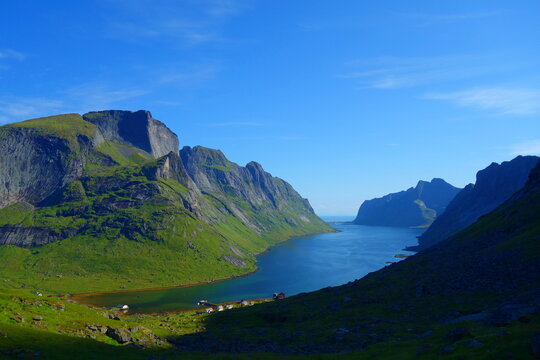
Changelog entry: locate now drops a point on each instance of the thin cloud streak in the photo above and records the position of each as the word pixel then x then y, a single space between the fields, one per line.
pixel 80 99
pixel 531 147
pixel 14 109
pixel 94 96
pixel 507 101
pixel 12 54
pixel 183 77
pixel 278 138
pixel 395 73
pixel 194 22
pixel 421 19
pixel 237 124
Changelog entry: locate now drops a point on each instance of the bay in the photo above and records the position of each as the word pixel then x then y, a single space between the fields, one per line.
pixel 298 265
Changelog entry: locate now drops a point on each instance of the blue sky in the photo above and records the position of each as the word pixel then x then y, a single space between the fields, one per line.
pixel 346 100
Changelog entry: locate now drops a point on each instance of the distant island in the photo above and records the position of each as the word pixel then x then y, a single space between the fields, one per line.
pixel 417 206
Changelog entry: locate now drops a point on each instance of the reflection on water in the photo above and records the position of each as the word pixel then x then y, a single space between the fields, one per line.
pixel 298 265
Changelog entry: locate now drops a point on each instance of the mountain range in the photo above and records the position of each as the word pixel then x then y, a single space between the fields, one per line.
pixel 107 200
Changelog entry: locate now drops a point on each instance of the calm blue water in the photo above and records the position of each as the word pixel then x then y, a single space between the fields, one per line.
pixel 295 266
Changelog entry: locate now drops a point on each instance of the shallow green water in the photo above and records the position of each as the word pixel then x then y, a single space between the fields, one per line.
pixel 298 265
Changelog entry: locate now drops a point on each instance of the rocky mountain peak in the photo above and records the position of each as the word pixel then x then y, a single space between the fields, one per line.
pixel 134 128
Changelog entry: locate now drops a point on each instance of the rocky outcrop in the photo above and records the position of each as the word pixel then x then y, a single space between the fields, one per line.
pixel 494 185
pixel 138 129
pixel 415 207
pixel 30 237
pixel 34 165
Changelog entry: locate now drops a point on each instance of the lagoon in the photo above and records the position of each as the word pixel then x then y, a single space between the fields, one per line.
pixel 298 265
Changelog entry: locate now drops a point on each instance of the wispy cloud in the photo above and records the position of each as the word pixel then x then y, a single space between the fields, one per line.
pixel 237 124
pixel 428 19
pixel 11 54
pixel 531 147
pixel 511 101
pixel 92 96
pixel 80 99
pixel 271 137
pixel 396 72
pixel 18 108
pixel 188 75
pixel 193 22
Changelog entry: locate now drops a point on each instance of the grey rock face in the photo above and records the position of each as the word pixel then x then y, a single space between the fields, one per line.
pixel 221 179
pixel 212 172
pixel 123 336
pixel 138 129
pixel 416 206
pixel 33 166
pixel 30 237
pixel 494 185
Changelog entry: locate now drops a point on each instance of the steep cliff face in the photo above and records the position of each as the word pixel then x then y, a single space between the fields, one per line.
pixel 116 180
pixel 256 197
pixel 39 157
pixel 138 129
pixel 415 207
pixel 494 185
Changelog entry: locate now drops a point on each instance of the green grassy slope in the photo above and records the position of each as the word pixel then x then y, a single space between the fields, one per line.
pixel 66 126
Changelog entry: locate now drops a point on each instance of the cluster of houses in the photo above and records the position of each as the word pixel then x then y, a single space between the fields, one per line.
pixel 212 307
pixel 218 308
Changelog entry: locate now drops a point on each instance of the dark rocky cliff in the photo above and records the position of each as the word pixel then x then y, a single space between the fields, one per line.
pixel 494 185
pixel 415 207
pixel 35 161
pixel 138 129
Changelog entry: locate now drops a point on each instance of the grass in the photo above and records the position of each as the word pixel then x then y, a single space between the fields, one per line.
pixel 122 242
pixel 66 126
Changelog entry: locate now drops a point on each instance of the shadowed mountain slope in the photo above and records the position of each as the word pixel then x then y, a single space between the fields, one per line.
pixel 473 295
pixel 415 207
pixel 494 185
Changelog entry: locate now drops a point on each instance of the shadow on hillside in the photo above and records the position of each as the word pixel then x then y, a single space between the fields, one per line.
pixel 24 343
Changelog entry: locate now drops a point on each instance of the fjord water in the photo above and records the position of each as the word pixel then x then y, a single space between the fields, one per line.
pixel 299 265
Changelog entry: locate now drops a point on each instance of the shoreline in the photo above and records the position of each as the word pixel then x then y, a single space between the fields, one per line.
pixel 80 296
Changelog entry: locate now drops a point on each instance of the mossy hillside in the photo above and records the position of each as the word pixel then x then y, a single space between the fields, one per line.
pixel 123 154
pixel 66 126
pixel 133 232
